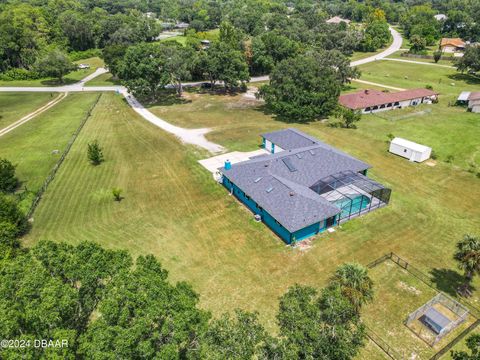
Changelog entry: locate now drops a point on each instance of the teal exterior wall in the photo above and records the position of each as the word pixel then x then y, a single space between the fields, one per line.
pixel 273 224
pixel 309 231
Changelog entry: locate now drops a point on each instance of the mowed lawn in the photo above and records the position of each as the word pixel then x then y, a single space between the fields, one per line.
pixel 14 106
pixel 398 293
pixel 106 79
pixel 31 146
pixel 70 78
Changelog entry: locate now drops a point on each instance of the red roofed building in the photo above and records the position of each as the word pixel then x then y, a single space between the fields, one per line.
pixel 369 101
pixel 452 45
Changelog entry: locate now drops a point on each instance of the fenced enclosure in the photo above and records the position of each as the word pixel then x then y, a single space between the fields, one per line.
pixel 436 318
pixel 400 288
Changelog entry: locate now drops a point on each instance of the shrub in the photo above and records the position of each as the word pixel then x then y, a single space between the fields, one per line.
pixel 19 74
pixel 11 214
pixel 429 87
pixel 94 153
pixel 437 55
pixel 8 181
pixel 117 194
pixel 433 155
pixel 79 55
pixel 450 158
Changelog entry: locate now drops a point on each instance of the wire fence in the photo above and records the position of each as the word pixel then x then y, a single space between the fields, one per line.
pixel 54 170
pixel 455 341
pixel 460 311
pixel 382 344
pixel 389 351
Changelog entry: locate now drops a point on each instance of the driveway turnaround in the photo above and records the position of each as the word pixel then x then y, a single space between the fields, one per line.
pixel 212 164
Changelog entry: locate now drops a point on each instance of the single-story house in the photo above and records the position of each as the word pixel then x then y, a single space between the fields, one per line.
pixel 371 101
pixel 337 20
pixel 452 45
pixel 304 186
pixel 410 150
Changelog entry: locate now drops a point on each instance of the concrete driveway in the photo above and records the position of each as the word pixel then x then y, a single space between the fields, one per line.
pixel 212 164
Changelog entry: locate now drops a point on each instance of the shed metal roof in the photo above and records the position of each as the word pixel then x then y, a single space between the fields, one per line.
pixel 410 144
pixel 464 95
pixel 437 317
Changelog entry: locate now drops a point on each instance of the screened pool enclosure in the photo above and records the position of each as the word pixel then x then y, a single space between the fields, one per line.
pixel 353 193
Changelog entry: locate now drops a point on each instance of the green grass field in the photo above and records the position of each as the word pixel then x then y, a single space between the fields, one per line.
pixel 71 78
pixel 397 294
pixel 103 80
pixel 173 208
pixel 30 147
pixel 14 106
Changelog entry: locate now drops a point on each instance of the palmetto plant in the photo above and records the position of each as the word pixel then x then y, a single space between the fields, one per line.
pixel 468 258
pixel 354 283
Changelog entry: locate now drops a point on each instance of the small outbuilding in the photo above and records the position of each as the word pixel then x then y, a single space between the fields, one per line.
pixel 410 150
pixel 435 320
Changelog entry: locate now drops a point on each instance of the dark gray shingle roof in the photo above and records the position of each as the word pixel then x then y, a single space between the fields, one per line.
pixel 290 174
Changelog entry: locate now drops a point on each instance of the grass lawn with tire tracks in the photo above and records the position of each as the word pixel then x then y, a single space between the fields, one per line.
pixel 14 106
pixel 30 146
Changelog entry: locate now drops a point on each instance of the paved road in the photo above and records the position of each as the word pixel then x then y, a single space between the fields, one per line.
pixel 394 47
pixel 190 136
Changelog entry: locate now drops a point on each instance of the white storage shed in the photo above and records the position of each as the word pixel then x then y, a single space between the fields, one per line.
pixel 410 150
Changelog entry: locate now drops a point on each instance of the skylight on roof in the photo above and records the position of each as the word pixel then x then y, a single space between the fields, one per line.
pixel 257 179
pixel 270 189
pixel 299 155
pixel 289 164
pixel 312 152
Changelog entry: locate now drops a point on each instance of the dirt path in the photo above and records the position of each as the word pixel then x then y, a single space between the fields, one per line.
pixel 377 84
pixel 30 116
pixel 419 62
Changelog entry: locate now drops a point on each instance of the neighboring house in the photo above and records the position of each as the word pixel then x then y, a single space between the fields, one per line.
pixel 440 17
pixel 304 186
pixel 471 100
pixel 452 45
pixel 337 20
pixel 410 150
pixel 371 101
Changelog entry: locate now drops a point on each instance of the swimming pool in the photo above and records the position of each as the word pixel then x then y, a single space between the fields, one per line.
pixel 352 206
